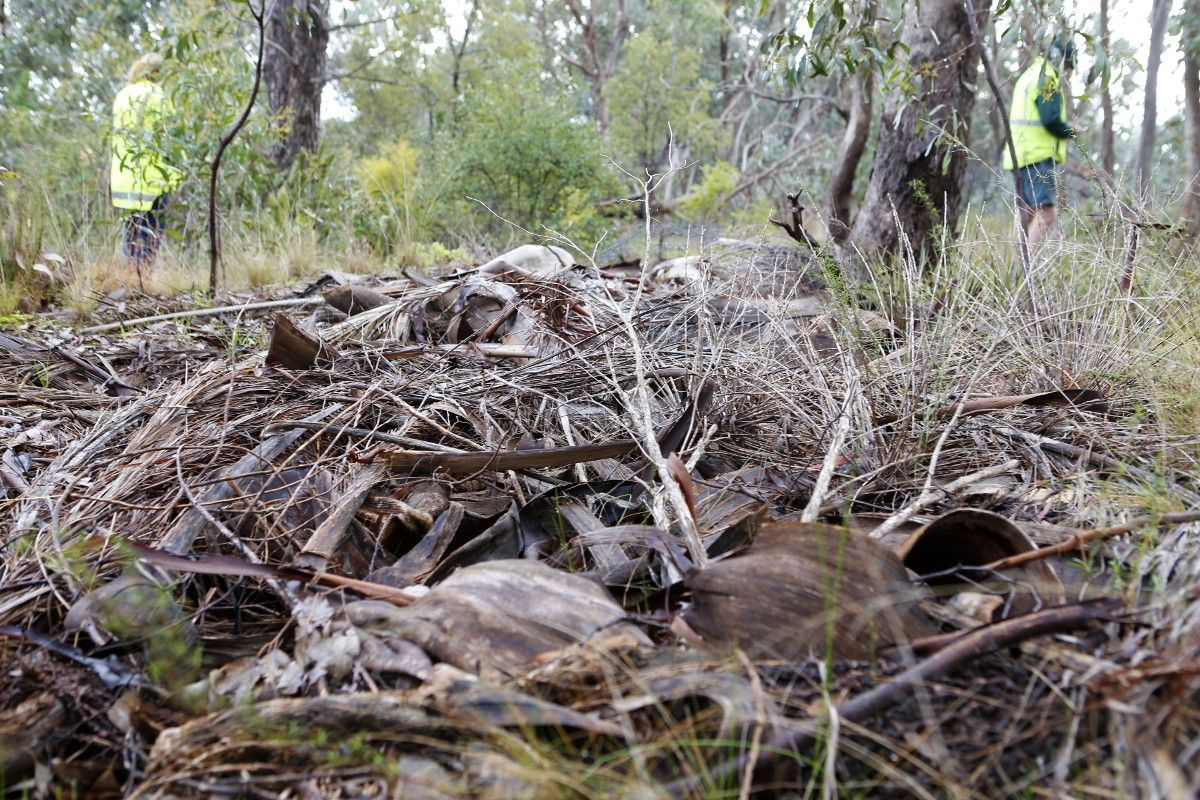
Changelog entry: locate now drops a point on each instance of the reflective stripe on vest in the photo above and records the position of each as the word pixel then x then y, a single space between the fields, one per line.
pixel 136 197
pixel 1031 140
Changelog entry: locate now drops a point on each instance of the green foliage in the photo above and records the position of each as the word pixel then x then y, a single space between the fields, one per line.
pixel 527 160
pixel 708 197
pixel 822 39
pixel 392 188
pixel 650 115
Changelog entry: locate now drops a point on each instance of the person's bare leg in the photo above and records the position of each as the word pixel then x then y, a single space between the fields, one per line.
pixel 1024 216
pixel 1043 221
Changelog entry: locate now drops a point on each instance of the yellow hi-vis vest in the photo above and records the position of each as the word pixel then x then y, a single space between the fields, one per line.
pixel 1031 140
pixel 139 173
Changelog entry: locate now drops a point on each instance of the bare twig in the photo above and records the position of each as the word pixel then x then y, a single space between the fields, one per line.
pixel 214 240
pixel 201 312
pixel 1078 540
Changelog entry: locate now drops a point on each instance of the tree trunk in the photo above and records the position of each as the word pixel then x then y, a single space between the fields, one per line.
pixel 458 51
pixel 854 142
pixel 999 107
pixel 1191 104
pixel 1107 139
pixel 918 168
pixel 1158 30
pixel 294 71
pixel 597 60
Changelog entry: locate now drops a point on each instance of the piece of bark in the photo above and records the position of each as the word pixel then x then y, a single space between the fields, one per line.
pixel 802 588
pixel 503 539
pixel 494 619
pixel 324 542
pixel 353 299
pixel 429 498
pixel 606 555
pixel 478 705
pixel 419 562
pixel 1083 399
pixel 292 347
pixel 393 712
pixel 971 537
pixel 23 730
pixel 244 477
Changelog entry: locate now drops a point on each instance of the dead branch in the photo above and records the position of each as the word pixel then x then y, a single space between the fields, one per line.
pixel 1078 540
pixel 201 312
pixel 976 644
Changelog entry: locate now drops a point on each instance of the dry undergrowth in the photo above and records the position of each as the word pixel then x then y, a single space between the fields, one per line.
pixel 851 412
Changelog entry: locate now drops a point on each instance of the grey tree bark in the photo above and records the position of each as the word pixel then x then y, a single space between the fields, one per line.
pixel 294 69
pixel 1107 139
pixel 850 152
pixel 596 59
pixel 1159 15
pixel 918 167
pixel 1191 103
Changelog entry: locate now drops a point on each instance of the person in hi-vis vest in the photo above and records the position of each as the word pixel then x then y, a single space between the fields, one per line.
pixel 141 180
pixel 1038 119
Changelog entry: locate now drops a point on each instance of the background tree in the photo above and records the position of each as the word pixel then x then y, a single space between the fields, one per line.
pixel 1190 44
pixel 1107 136
pixel 919 161
pixel 439 101
pixel 1159 15
pixel 588 36
pixel 294 69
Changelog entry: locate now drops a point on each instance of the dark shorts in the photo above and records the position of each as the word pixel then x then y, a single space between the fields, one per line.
pixel 1038 186
pixel 144 232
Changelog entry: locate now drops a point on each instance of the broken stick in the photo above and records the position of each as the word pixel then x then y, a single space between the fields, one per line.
pixel 977 643
pixel 1081 538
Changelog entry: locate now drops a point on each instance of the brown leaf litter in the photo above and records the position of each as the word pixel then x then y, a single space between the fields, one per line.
pixel 462 534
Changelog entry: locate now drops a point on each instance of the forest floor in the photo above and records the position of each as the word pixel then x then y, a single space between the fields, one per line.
pixel 697 528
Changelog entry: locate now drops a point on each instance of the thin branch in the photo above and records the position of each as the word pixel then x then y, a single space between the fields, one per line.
pixel 980 642
pixel 1081 538
pixel 214 242
pixel 932 493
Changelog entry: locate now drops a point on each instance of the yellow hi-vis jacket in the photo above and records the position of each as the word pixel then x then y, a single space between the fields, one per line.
pixel 139 172
pixel 1032 141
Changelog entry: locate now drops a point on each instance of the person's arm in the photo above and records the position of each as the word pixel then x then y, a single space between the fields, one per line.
pixel 1049 105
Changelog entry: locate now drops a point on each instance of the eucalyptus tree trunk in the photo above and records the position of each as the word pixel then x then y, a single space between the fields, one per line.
pixel 294 69
pixel 1107 139
pixel 919 166
pixel 850 153
pixel 1191 105
pixel 1158 29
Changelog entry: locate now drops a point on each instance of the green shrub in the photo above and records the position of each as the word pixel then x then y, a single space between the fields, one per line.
pixel 522 158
